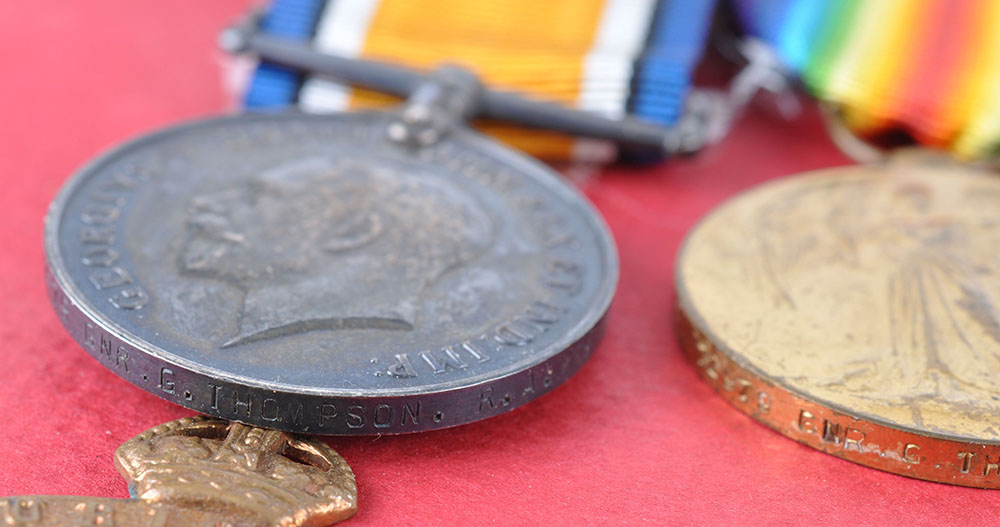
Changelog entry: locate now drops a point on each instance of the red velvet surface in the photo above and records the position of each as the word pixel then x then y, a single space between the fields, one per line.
pixel 634 438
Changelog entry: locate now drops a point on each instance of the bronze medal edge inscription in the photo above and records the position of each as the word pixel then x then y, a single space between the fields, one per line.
pixel 767 391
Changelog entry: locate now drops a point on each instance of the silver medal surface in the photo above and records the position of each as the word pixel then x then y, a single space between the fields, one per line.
pixel 305 273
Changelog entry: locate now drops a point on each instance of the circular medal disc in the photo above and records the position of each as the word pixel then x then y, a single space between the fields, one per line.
pixel 855 310
pixel 305 273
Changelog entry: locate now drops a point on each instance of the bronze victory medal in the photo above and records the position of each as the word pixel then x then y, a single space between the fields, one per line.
pixel 310 274
pixel 856 311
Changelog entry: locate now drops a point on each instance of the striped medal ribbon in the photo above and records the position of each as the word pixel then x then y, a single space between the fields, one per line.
pixel 929 68
pixel 613 57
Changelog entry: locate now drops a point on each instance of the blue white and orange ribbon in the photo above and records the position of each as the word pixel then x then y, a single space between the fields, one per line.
pixel 612 57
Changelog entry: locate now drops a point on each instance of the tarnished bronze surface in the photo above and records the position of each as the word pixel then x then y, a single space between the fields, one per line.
pixel 855 310
pixel 202 472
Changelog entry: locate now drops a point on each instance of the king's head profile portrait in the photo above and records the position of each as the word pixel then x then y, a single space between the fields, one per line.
pixel 318 244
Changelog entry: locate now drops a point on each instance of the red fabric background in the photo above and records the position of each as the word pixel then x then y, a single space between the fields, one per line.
pixel 634 438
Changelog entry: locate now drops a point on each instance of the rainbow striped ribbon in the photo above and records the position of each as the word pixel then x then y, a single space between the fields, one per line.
pixel 928 67
pixel 608 56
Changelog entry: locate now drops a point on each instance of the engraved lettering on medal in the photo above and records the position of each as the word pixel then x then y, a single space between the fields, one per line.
pixel 296 413
pixel 121 357
pixel 99 257
pixel 565 276
pixel 740 385
pixel 744 390
pixel 411 412
pixel 315 245
pixel 244 404
pixel 510 334
pixel 331 255
pixel 791 267
pixel 990 465
pixel 269 410
pixel 443 360
pixel 326 413
pixel 853 439
pixel 108 278
pixel 806 422
pixel 100 214
pixel 966 461
pixel 528 325
pixel 711 364
pixel 831 432
pixel 130 298
pixel 166 380
pixel 402 368
pixel 107 350
pixel 106 347
pixel 215 395
pixel 763 402
pixel 97 235
pixel 478 354
pixel 486 399
pixel 355 416
pixel 383 416
pixel 544 314
pixel 522 329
